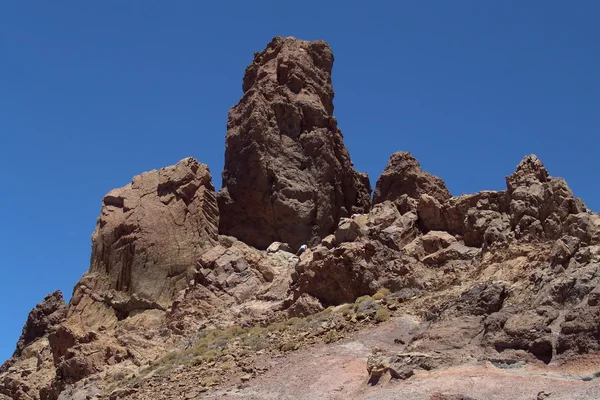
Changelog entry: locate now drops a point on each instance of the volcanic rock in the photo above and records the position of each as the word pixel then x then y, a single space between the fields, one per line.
pixel 534 206
pixel 147 240
pixel 170 308
pixel 46 315
pixel 288 176
pixel 403 176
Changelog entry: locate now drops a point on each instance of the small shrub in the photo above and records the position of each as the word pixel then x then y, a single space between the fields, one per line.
pixel 233 331
pixel 256 343
pixel 296 324
pixel 382 315
pixel 289 346
pixel 210 381
pixel 381 293
pixel 256 331
pixel 277 327
pixel 229 365
pixel 212 355
pixel 363 298
pixel 331 336
pixel 366 308
pixel 347 309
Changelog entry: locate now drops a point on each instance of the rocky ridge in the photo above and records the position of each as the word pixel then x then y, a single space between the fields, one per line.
pixel 190 292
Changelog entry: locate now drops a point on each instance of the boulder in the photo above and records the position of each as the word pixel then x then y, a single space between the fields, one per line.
pixel 563 249
pixel 348 230
pixel 483 298
pixel 579 331
pixel 304 306
pixel 288 176
pixel 278 246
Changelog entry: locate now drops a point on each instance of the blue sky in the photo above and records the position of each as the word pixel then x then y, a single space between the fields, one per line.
pixel 93 93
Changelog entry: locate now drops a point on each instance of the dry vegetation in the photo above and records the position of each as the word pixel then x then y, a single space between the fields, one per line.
pixel 234 349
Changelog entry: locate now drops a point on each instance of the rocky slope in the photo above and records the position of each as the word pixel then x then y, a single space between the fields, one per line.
pixel 191 294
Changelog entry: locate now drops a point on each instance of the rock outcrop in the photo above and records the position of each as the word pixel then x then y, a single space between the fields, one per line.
pixel 534 206
pixel 288 176
pixel 536 237
pixel 403 176
pixel 45 316
pixel 172 307
pixel 41 320
pixel 145 249
pixel 147 240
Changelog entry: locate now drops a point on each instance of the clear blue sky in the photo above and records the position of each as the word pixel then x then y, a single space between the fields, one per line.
pixel 93 93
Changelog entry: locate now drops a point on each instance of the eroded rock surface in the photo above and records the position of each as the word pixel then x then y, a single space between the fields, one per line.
pixel 288 175
pixel 403 176
pixel 46 315
pixel 171 307
pixel 147 240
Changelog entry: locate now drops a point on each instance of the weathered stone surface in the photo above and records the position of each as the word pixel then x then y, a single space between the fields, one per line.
pixel 403 176
pixel 509 277
pixel 233 282
pixel 344 273
pixel 305 305
pixel 288 176
pixel 564 248
pixel 348 230
pixel 534 206
pixel 539 205
pixel 529 331
pixel 278 246
pixel 579 331
pixel 483 298
pixel 46 315
pixel 148 237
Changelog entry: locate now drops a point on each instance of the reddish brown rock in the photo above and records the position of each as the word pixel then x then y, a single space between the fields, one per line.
pixel 539 204
pixel 403 176
pixel 534 206
pixel 288 176
pixel 46 315
pixel 42 318
pixel 147 240
pixel 509 278
pixel 579 332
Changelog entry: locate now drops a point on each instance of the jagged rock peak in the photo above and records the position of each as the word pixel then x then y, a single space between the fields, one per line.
pixel 41 319
pixel 529 170
pixel 294 63
pixel 288 176
pixel 46 314
pixel 403 176
pixel 147 238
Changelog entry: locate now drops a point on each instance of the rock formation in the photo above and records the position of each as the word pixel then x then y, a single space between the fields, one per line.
pixel 147 240
pixel 171 307
pixel 45 316
pixel 288 176
pixel 536 237
pixel 403 176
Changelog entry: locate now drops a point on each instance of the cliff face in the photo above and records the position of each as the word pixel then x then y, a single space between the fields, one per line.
pixel 288 176
pixel 189 290
pixel 151 232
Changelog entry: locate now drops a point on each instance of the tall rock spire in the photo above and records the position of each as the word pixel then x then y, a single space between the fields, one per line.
pixel 288 175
